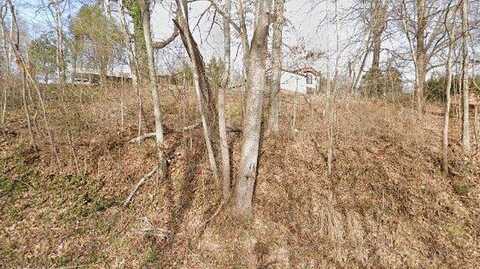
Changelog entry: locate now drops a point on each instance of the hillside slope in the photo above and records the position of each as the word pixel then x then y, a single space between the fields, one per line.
pixel 385 206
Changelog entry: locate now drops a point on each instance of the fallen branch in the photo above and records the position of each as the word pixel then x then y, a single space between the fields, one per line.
pixel 142 137
pixel 139 184
pixel 152 135
pixel 184 129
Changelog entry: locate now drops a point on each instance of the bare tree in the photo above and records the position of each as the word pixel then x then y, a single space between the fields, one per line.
pixel 378 25
pixel 224 150
pixel 15 44
pixel 465 90
pixel 277 41
pixel 421 52
pixel 253 117
pixel 145 10
pixel 57 11
pixel 7 61
pixel 206 103
pixel 450 28
pixel 423 47
pixel 129 40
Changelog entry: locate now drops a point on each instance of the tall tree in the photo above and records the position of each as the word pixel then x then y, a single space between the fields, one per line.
pixel 426 38
pixel 6 59
pixel 465 81
pixel 277 56
pixel 224 151
pixel 129 41
pixel 378 25
pixel 421 52
pixel 145 11
pixel 205 98
pixel 253 116
pixel 450 29
pixel 57 12
pixel 133 9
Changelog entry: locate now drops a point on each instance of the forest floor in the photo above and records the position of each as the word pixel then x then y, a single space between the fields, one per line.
pixel 385 206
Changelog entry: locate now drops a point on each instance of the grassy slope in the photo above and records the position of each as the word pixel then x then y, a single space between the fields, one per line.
pixel 386 205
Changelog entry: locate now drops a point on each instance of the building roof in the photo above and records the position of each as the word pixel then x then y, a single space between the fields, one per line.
pixel 303 71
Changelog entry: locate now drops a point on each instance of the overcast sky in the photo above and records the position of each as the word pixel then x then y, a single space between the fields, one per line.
pixel 310 23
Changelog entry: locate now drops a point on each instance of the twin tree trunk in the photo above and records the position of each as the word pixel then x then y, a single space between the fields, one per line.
pixel 206 103
pixel 255 85
pixel 253 115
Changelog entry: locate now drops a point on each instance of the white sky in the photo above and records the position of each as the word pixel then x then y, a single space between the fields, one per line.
pixel 310 22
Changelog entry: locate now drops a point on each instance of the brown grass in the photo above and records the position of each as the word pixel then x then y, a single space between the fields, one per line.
pixel 385 206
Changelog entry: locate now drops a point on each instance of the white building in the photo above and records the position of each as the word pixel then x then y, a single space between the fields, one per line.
pixel 303 81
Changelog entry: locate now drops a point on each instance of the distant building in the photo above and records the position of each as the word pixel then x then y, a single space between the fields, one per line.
pixel 92 75
pixel 304 81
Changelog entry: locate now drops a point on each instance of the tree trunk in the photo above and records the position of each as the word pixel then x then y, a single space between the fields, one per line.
pixel 465 90
pixel 7 58
pixel 331 100
pixel 277 39
pixel 378 26
pixel 224 150
pixel 253 115
pixel 421 54
pixel 159 138
pixel 446 117
pixel 133 65
pixel 206 103
pixel 25 109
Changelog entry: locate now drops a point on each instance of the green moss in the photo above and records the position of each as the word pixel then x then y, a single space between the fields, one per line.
pixel 151 255
pixel 461 189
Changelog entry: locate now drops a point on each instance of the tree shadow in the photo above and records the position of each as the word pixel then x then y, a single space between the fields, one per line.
pixel 188 185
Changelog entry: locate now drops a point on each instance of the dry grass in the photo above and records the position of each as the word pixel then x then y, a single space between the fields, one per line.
pixel 385 206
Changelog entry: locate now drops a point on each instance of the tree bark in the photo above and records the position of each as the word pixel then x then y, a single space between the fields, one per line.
pixel 60 54
pixel 421 53
pixel 465 87
pixel 224 150
pixel 133 65
pixel 277 39
pixel 378 27
pixel 6 50
pixel 253 115
pixel 159 138
pixel 27 113
pixel 446 117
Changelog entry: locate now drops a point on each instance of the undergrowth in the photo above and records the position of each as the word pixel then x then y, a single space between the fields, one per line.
pixel 385 206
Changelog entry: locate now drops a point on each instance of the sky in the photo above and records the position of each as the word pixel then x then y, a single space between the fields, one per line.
pixel 305 23
pixel 310 24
